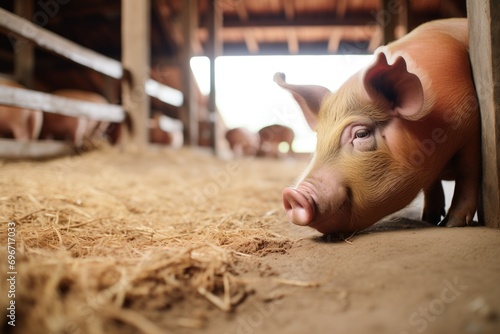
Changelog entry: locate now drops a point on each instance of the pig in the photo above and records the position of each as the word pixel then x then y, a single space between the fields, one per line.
pixel 73 129
pixel 271 137
pixel 165 130
pixel 21 123
pixel 242 142
pixel 401 125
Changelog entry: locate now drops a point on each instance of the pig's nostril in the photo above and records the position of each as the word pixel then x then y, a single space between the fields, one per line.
pixel 298 208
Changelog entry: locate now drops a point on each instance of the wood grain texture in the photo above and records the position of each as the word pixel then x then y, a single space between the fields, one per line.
pixel 484 29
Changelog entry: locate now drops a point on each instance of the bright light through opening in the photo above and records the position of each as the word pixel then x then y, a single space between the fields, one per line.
pixel 247 96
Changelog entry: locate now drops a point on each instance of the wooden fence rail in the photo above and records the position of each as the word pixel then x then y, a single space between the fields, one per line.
pixel 50 41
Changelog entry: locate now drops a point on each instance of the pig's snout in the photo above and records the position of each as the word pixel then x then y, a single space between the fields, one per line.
pixel 325 206
pixel 299 206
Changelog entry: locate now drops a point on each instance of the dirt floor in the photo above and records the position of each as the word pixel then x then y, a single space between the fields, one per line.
pixel 181 242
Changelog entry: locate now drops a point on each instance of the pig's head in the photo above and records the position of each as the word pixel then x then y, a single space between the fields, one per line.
pixel 360 171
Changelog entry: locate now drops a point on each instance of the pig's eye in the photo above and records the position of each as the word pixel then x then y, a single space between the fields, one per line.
pixel 362 133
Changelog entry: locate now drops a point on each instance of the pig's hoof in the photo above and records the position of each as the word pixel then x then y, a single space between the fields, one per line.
pixel 433 217
pixel 453 222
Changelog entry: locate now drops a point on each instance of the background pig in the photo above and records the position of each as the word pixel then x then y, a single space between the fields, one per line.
pixel 270 139
pixel 22 124
pixel 397 127
pixel 165 130
pixel 73 129
pixel 242 142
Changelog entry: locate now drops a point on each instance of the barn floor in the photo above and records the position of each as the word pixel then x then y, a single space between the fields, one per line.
pixel 180 242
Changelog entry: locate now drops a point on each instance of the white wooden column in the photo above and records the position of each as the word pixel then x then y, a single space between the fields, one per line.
pixel 484 45
pixel 135 29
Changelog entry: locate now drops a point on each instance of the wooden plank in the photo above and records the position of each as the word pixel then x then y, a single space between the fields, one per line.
pixel 135 57
pixel 40 149
pixel 31 99
pixel 59 45
pixel 164 93
pixel 484 46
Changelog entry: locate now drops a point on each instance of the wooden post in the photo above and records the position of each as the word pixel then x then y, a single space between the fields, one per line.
pixel 214 49
pixel 135 59
pixel 484 46
pixel 389 18
pixel 24 58
pixel 403 18
pixel 190 110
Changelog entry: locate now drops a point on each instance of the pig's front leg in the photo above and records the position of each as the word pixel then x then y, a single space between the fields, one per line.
pixel 434 203
pixel 464 203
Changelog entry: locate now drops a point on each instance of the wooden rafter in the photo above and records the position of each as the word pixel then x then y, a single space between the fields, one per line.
pixel 292 40
pixel 334 41
pixel 323 20
pixel 241 9
pixel 289 9
pixel 376 40
pixel 341 8
pixel 251 41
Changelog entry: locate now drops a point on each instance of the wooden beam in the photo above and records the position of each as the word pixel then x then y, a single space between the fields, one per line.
pixel 289 9
pixel 190 109
pixel 341 8
pixel 403 26
pixel 40 149
pixel 164 93
pixel 135 58
pixel 484 46
pixel 376 40
pixel 388 21
pixel 251 41
pixel 292 41
pixel 334 41
pixel 163 13
pixel 24 63
pixel 214 50
pixel 306 20
pixel 31 99
pixel 59 45
pixel 242 11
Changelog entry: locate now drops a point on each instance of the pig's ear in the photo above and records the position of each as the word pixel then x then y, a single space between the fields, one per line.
pixel 400 88
pixel 308 97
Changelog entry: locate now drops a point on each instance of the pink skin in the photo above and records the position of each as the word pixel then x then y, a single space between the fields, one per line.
pixel 401 125
pixel 271 137
pixel 303 205
pixel 242 142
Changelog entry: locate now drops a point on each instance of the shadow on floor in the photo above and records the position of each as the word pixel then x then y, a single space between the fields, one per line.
pixel 392 224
